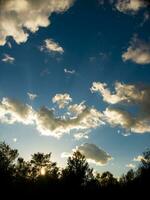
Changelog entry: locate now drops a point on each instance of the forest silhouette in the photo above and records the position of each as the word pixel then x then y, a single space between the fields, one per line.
pixel 42 176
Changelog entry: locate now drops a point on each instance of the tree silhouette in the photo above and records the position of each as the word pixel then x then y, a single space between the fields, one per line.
pixel 77 173
pixel 7 160
pixel 42 176
pixel 41 165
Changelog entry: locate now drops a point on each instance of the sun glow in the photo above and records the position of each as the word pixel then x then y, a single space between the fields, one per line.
pixel 43 171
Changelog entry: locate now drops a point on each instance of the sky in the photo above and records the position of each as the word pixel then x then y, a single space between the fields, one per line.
pixel 74 75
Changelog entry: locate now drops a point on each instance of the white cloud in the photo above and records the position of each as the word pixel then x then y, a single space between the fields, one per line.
pixel 123 92
pixel 65 155
pixel 138 158
pixel 131 166
pixel 77 108
pixel 138 51
pixel 81 135
pixel 52 46
pixel 32 96
pixel 118 117
pixel 126 95
pixel 69 71
pixel 45 121
pixel 48 124
pixel 62 99
pixel 18 18
pixel 8 59
pixel 92 153
pixel 12 111
pixel 102 89
pixel 130 6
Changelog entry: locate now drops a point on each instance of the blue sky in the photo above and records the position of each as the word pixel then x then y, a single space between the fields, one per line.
pixel 101 42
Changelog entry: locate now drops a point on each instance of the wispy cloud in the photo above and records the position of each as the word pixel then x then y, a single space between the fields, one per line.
pixel 32 96
pixel 62 100
pixel 138 158
pixel 68 71
pixel 145 18
pixel 51 46
pixel 8 59
pixel 131 166
pixel 138 51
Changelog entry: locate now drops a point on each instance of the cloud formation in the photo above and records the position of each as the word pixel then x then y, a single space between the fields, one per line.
pixel 48 124
pixel 32 96
pixel 8 59
pixel 18 18
pixel 138 51
pixel 12 111
pixel 94 154
pixel 130 6
pixel 131 166
pixel 45 121
pixel 125 96
pixel 51 46
pixel 138 158
pixel 62 100
pixel 77 108
pixel 69 71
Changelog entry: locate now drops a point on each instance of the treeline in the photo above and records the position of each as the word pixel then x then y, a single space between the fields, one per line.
pixel 42 176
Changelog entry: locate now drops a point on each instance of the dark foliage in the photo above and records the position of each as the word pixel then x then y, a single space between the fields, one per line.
pixel 41 176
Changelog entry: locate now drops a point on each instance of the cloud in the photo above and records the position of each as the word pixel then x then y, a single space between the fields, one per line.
pixel 32 96
pixel 77 108
pixel 138 51
pixel 62 99
pixel 130 165
pixel 138 158
pixel 18 18
pixel 65 155
pixel 51 46
pixel 145 18
pixel 130 6
pixel 45 121
pixel 118 117
pixel 8 59
pixel 48 124
pixel 125 96
pixel 69 71
pixel 92 153
pixel 81 135
pixel 12 111
pixel 102 89
pixel 124 93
